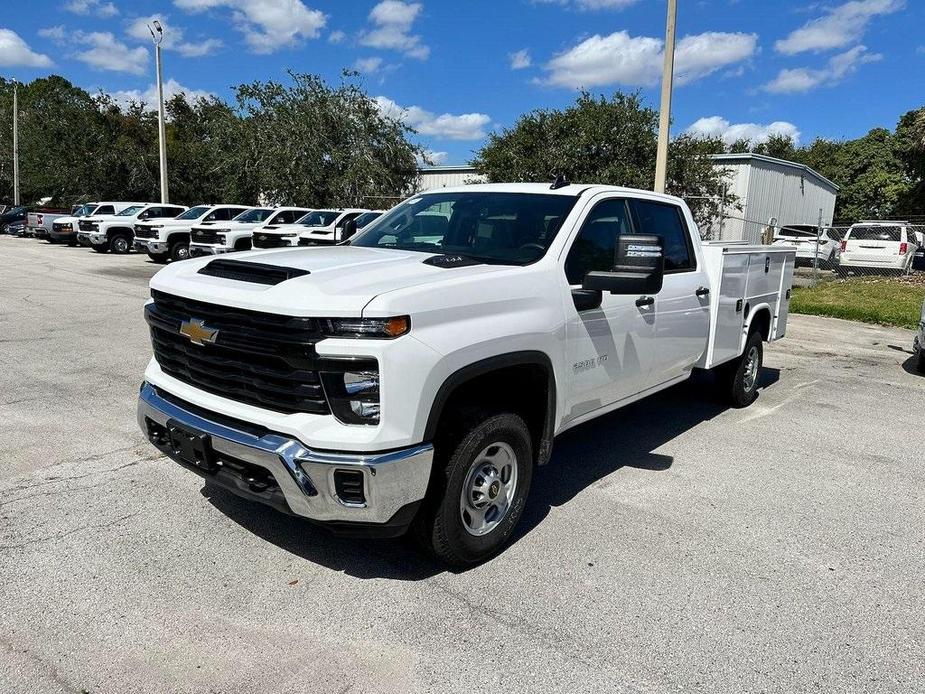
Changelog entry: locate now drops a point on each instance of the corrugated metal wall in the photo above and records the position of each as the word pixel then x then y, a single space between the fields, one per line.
pixel 437 178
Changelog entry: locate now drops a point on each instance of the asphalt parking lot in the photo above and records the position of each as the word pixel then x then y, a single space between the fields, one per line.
pixel 672 546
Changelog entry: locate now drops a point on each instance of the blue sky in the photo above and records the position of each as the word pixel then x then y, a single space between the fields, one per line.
pixel 456 70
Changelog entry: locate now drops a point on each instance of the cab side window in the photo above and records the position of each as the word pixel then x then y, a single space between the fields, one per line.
pixel 665 221
pixel 106 209
pixel 593 249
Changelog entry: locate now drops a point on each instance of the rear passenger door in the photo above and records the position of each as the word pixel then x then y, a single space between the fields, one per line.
pixel 682 309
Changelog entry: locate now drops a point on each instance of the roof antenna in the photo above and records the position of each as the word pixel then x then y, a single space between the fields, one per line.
pixel 560 182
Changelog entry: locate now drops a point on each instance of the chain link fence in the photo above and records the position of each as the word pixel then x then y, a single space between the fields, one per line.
pixel 882 248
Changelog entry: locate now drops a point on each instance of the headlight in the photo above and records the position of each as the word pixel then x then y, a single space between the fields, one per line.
pixel 353 395
pixel 366 327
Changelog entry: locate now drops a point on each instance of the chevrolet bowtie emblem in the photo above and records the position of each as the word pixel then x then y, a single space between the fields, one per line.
pixel 197 332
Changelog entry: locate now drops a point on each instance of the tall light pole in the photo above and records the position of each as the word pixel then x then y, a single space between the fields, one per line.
pixel 664 116
pixel 15 143
pixel 157 33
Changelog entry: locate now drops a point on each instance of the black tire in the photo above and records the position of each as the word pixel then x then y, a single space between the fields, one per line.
pixel 120 243
pixel 243 245
pixel 179 250
pixel 72 243
pixel 920 361
pixel 440 526
pixel 158 257
pixel 841 272
pixel 102 248
pixel 739 378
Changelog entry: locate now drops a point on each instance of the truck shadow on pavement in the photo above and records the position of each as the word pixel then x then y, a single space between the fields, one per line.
pixel 581 458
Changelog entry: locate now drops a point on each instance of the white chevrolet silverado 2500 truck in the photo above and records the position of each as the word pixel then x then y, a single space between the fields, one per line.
pixel 318 227
pixel 169 239
pixel 116 232
pixel 212 238
pixel 413 377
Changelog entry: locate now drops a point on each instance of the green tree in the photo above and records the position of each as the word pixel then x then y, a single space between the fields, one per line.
pixel 599 140
pixel 318 145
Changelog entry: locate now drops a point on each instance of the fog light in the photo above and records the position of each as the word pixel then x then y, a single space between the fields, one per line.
pixel 353 395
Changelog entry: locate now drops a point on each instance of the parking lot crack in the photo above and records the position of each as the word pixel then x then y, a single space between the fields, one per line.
pixel 58 536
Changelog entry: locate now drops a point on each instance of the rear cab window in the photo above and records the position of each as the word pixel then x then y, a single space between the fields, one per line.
pixel 666 221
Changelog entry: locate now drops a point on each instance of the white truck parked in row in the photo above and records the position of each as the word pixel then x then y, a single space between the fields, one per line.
pixel 211 238
pixel 103 209
pixel 169 239
pixel 116 232
pixel 414 376
pixel 318 227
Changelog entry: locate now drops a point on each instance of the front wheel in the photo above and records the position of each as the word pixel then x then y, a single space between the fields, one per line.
pixel 120 244
pixel 179 250
pixel 473 509
pixel 739 377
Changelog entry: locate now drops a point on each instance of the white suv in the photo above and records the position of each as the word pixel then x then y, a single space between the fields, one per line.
pixel 878 246
pixel 210 238
pixel 318 227
pixel 803 238
pixel 169 239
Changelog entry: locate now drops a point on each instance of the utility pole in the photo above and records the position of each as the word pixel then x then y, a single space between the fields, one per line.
pixel 15 143
pixel 157 33
pixel 664 116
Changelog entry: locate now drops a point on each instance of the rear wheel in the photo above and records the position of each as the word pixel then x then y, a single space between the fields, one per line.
pixel 920 361
pixel 120 244
pixel 478 498
pixel 739 378
pixel 179 250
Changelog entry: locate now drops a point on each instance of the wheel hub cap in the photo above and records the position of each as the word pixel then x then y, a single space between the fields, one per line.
pixel 489 489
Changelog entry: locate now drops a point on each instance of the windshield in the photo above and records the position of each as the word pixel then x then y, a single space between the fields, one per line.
pixel 84 210
pixel 798 232
pixel 194 212
pixel 319 218
pixel 366 218
pixel 507 228
pixel 257 215
pixel 130 211
pixel 874 233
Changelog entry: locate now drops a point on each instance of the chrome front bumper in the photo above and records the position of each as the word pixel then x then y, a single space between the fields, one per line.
pixel 197 250
pixel 393 481
pixel 150 246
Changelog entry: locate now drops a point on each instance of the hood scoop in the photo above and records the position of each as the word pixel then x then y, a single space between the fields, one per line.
pixel 255 273
pixel 451 261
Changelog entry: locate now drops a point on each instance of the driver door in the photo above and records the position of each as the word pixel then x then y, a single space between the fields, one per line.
pixel 609 347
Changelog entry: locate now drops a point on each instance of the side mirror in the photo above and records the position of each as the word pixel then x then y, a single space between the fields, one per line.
pixel 639 267
pixel 350 228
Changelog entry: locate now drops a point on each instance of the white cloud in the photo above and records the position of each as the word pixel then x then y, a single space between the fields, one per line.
pixel 466 126
pixel 55 33
pixel 104 51
pixel 368 65
pixel 520 59
pixel 99 8
pixel 591 4
pixel 637 60
pixel 149 96
pixel 839 27
pixel 14 52
pixel 392 20
pixel 804 79
pixel 173 37
pixel 433 158
pixel 755 133
pixel 267 25
pixel 336 36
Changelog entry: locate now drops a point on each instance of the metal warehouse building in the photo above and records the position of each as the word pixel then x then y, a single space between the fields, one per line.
pixel 767 189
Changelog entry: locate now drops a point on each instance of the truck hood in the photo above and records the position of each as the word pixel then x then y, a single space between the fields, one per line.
pixel 341 280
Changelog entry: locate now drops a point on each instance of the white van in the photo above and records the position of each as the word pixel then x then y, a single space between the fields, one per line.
pixel 878 247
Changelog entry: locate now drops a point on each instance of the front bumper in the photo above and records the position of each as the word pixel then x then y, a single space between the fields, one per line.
pixel 200 249
pixel 150 246
pixel 96 238
pixel 303 481
pixel 62 235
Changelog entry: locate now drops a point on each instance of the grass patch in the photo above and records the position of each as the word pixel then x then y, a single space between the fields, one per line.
pixel 887 301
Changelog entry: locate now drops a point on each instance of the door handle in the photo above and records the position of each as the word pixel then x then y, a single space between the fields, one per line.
pixel 645 301
pixel 702 291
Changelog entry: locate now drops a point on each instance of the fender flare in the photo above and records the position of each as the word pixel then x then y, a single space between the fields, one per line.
pixel 495 363
pixel 752 312
pixel 111 231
